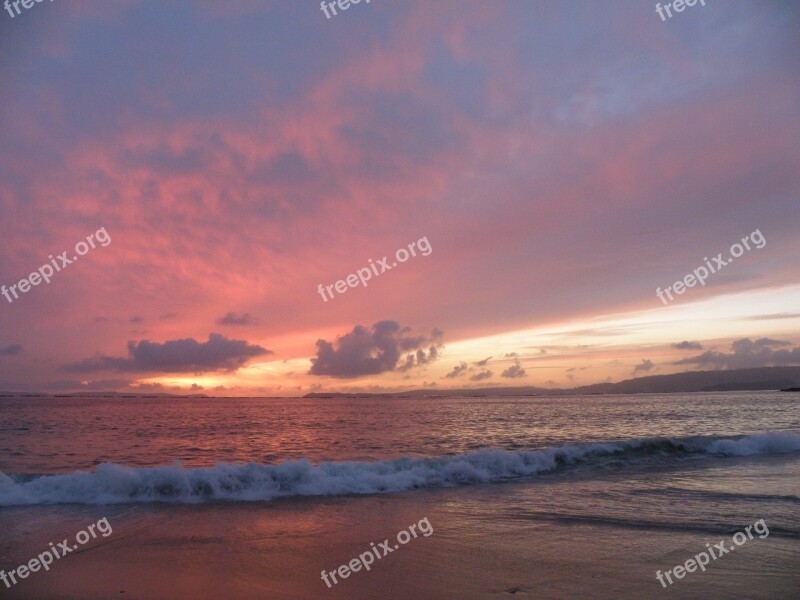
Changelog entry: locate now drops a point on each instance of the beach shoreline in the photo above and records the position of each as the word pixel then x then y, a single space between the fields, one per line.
pixel 533 538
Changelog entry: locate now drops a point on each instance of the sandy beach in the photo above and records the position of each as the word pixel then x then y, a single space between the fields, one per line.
pixel 562 536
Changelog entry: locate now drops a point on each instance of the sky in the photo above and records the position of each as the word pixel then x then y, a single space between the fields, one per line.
pixel 194 178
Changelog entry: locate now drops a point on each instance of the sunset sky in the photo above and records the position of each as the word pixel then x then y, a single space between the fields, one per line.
pixel 563 160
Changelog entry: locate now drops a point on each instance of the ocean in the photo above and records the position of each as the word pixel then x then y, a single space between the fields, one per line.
pixel 534 497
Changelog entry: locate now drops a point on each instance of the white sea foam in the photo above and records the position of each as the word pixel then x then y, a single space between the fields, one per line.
pixel 112 483
pixel 768 443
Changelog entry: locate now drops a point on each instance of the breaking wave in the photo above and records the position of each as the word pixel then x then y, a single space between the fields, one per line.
pixel 113 483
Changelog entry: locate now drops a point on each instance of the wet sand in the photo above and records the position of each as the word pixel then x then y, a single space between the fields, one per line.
pixel 489 541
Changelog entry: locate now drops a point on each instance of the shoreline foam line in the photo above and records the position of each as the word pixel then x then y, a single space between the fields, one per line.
pixel 115 484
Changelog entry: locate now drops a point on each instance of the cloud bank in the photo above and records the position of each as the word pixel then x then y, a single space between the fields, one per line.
pixel 188 355
pixel 373 351
pixel 747 353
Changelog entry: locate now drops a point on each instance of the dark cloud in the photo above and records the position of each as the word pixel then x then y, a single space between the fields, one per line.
pixel 747 353
pixel 136 319
pixel 235 319
pixel 482 363
pixel 481 376
pixel 457 371
pixel 419 358
pixel 176 356
pixel 511 354
pixel 513 371
pixel 284 169
pixel 688 346
pixel 11 350
pixel 370 352
pixel 397 123
pixel 168 316
pixel 645 365
pixel 166 160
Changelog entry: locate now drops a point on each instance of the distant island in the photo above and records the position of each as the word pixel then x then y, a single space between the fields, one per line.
pixel 763 378
pixel 95 394
pixel 784 379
